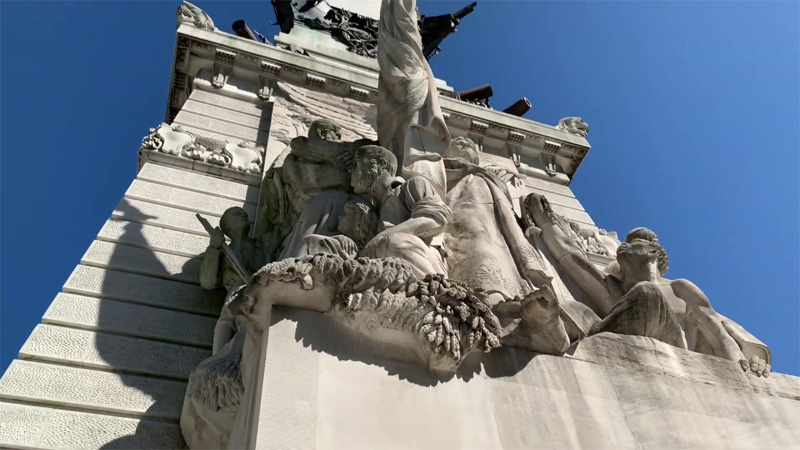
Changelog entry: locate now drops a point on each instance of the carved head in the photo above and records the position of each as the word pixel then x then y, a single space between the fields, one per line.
pixel 235 223
pixel 372 164
pixel 359 222
pixel 325 130
pixel 641 247
pixel 464 148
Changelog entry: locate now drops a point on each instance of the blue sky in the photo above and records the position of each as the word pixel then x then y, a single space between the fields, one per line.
pixel 693 107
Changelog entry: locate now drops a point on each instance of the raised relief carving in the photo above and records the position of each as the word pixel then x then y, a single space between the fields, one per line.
pixel 574 125
pixel 174 140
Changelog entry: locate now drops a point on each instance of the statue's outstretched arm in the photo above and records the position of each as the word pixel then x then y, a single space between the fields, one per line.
pixel 591 280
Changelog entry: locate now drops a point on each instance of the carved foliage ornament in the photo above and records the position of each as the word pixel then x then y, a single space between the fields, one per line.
pixel 174 140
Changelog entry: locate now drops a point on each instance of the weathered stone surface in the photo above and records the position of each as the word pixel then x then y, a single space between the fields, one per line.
pixel 227 115
pixel 182 198
pixel 92 390
pixel 233 130
pixel 162 216
pixel 661 359
pixel 153 238
pixel 111 351
pixel 130 319
pixel 251 108
pixel 542 185
pixel 197 182
pixel 142 261
pixel 321 391
pixel 116 285
pixel 50 428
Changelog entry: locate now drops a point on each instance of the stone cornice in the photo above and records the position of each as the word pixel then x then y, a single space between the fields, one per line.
pixel 198 48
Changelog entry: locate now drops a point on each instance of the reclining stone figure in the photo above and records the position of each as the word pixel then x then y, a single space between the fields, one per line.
pixel 639 301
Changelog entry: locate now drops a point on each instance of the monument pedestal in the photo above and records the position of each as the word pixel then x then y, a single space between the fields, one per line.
pixel 326 386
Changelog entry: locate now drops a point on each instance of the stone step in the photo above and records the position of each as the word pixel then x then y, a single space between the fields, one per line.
pixel 116 285
pixel 113 316
pixel 184 199
pixel 92 390
pixel 142 261
pixel 28 426
pixel 90 349
pixel 153 238
pixel 197 182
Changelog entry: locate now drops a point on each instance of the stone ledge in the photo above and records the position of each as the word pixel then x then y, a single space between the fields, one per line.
pixel 69 346
pixel 196 182
pixel 153 238
pixel 183 199
pixel 70 387
pixel 649 355
pixel 90 313
pixel 142 261
pixel 145 290
pixel 27 426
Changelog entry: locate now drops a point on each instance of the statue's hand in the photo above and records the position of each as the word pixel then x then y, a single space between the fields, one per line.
pixel 537 207
pixel 756 365
pixel 346 158
pixel 217 237
pixel 347 244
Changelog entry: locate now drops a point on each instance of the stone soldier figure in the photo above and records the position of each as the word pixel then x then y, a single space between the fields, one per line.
pixel 218 270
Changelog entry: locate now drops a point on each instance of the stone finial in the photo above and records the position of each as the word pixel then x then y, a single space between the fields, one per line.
pixel 574 125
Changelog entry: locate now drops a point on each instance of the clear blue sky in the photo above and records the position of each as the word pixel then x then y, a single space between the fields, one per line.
pixel 693 108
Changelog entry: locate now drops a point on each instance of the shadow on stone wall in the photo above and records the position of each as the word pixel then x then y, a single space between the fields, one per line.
pixel 163 401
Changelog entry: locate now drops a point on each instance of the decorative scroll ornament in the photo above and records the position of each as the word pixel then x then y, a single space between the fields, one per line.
pixel 174 140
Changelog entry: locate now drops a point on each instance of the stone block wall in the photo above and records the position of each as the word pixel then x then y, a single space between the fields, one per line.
pixel 326 387
pixel 109 363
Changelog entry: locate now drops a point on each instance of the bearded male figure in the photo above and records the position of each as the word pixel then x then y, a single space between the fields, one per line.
pixel 411 212
pixel 639 301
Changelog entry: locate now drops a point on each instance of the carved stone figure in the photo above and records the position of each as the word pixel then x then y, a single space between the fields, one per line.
pixel 412 213
pixel 487 250
pixel 189 13
pixel 308 167
pixel 218 270
pixel 215 387
pixel 410 120
pixel 642 302
pixel 574 125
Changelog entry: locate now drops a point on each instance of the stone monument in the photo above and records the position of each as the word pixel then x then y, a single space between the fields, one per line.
pixel 326 247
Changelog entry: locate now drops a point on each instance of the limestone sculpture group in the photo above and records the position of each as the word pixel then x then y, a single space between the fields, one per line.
pixel 415 237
